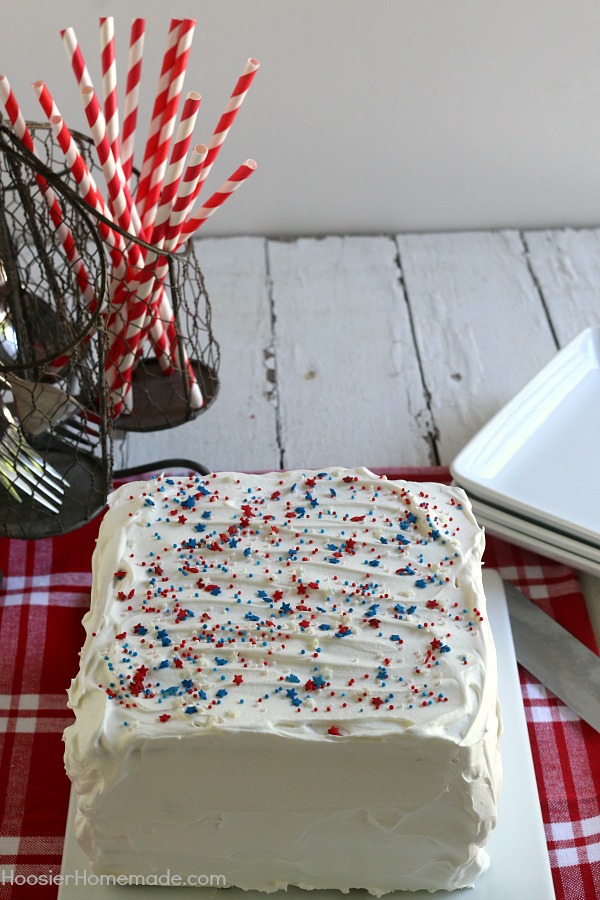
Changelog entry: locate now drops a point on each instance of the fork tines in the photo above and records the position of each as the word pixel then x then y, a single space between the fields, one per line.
pixel 81 430
pixel 22 469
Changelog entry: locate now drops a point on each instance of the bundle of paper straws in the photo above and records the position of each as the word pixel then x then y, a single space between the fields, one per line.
pixel 153 202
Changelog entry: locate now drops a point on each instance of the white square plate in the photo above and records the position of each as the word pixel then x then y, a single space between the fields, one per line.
pixel 520 867
pixel 545 546
pixel 539 455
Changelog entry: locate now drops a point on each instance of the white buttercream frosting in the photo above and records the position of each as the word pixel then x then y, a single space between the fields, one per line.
pixel 288 679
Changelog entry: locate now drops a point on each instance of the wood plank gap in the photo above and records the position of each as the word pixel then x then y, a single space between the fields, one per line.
pixel 271 359
pixel 538 287
pixel 432 433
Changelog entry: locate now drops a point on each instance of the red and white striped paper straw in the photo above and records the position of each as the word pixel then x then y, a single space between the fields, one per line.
pixel 167 350
pixel 181 207
pixel 88 190
pixel 90 194
pixel 125 331
pixel 228 115
pixel 132 93
pixel 151 191
pixel 56 213
pixel 75 56
pixel 113 174
pixel 185 195
pixel 85 84
pixel 109 82
pixel 162 93
pixel 168 239
pixel 198 219
pixel 181 146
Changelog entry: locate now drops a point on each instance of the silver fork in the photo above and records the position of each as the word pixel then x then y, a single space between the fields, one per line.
pixel 41 407
pixel 24 470
pixel 81 429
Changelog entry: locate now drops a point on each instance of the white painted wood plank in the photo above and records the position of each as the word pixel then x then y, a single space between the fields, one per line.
pixel 480 325
pixel 566 264
pixel 350 391
pixel 239 429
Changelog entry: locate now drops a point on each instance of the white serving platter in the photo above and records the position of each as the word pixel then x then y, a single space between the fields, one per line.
pixel 520 867
pixel 539 455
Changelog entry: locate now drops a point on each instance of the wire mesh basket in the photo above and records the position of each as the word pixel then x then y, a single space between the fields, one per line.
pixel 55 430
pixel 162 356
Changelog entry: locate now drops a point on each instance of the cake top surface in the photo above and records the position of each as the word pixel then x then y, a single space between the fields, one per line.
pixel 328 603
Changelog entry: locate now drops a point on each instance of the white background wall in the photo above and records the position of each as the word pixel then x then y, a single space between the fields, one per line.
pixel 367 115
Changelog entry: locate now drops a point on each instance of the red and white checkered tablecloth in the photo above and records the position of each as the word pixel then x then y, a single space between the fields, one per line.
pixel 43 597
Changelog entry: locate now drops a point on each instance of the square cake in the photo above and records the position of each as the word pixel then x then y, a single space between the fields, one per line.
pixel 288 679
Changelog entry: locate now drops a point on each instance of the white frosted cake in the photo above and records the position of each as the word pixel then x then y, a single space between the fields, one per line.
pixel 288 679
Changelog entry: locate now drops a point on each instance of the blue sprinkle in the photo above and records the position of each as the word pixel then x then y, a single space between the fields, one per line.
pixel 220 661
pixel 325 627
pixel 420 583
pixel 293 679
pixel 252 618
pixel 222 693
pixel 190 710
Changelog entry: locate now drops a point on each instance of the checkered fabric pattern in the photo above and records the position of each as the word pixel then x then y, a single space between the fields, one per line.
pixel 44 594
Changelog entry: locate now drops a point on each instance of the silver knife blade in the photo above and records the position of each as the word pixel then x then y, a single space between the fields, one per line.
pixel 553 656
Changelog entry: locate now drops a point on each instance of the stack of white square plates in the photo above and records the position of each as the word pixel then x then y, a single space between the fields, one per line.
pixel 533 472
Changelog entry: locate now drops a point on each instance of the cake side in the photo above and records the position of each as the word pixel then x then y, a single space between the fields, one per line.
pixel 323 632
